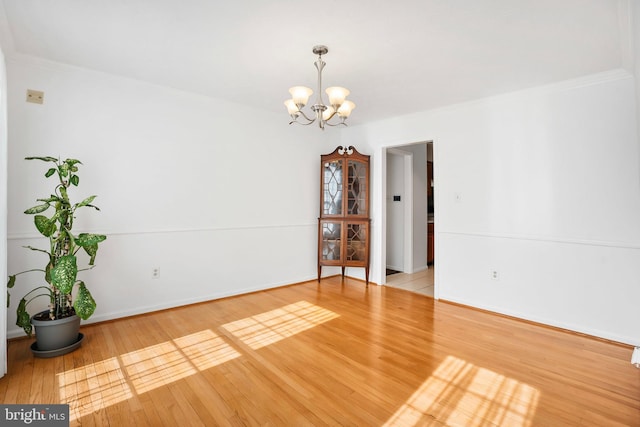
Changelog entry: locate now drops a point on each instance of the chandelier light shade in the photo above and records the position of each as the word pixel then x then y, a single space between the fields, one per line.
pixel 338 105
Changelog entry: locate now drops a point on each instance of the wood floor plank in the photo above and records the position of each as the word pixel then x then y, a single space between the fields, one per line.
pixel 334 353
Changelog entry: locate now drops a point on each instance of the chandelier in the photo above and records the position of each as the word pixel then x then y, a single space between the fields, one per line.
pixel 338 104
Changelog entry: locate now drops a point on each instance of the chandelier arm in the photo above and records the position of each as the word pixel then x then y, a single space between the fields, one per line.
pixel 300 123
pixel 335 111
pixel 342 123
pixel 306 118
pixel 297 116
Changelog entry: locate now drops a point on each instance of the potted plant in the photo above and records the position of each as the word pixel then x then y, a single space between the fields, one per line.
pixel 57 329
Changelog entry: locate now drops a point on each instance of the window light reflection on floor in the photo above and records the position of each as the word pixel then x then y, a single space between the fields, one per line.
pixel 101 384
pixel 98 385
pixel 275 325
pixel 460 393
pixel 155 366
pixel 206 349
pixel 93 387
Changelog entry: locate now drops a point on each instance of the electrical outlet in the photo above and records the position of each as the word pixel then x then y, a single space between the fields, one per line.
pixel 495 275
pixel 35 96
pixel 155 273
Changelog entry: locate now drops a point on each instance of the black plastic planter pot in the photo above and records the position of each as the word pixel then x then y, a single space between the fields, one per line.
pixel 56 337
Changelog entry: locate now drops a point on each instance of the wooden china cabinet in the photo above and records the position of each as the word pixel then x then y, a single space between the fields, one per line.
pixel 344 225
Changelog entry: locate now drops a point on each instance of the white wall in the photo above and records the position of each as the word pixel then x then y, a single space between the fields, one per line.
pixel 3 212
pixel 635 54
pixel 221 197
pixel 550 198
pixel 420 205
pixel 395 212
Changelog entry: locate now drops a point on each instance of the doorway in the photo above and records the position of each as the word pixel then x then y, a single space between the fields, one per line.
pixel 410 220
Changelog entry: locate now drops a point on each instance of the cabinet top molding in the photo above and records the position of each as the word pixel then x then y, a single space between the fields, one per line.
pixel 347 152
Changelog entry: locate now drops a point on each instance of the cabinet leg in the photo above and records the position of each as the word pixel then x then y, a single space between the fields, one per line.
pixel 343 268
pixel 366 275
pixel 319 272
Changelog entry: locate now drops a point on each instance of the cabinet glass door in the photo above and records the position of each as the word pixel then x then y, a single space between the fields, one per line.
pixel 331 238
pixel 357 188
pixel 356 241
pixel 332 188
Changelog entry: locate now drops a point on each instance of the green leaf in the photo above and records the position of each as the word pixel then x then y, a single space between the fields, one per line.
pixel 22 317
pixel 63 275
pixel 69 235
pixel 37 209
pixel 10 284
pixel 61 216
pixel 86 239
pixel 64 169
pixel 84 303
pixel 90 244
pixel 47 271
pixel 75 180
pixel 51 199
pixel 72 165
pixel 44 159
pixel 50 172
pixel 92 251
pixel 86 201
pixel 45 226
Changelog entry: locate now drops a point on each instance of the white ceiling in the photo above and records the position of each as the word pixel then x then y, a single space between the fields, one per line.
pixel 395 57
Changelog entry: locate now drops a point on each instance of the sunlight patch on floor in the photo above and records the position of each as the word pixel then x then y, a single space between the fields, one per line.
pixel 272 326
pixel 101 384
pixel 93 387
pixel 206 349
pixel 155 366
pixel 462 394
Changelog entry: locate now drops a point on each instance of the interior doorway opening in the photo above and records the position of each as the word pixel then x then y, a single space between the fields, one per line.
pixel 410 218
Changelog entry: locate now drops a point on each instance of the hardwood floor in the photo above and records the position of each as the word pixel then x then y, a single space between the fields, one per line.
pixel 330 354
